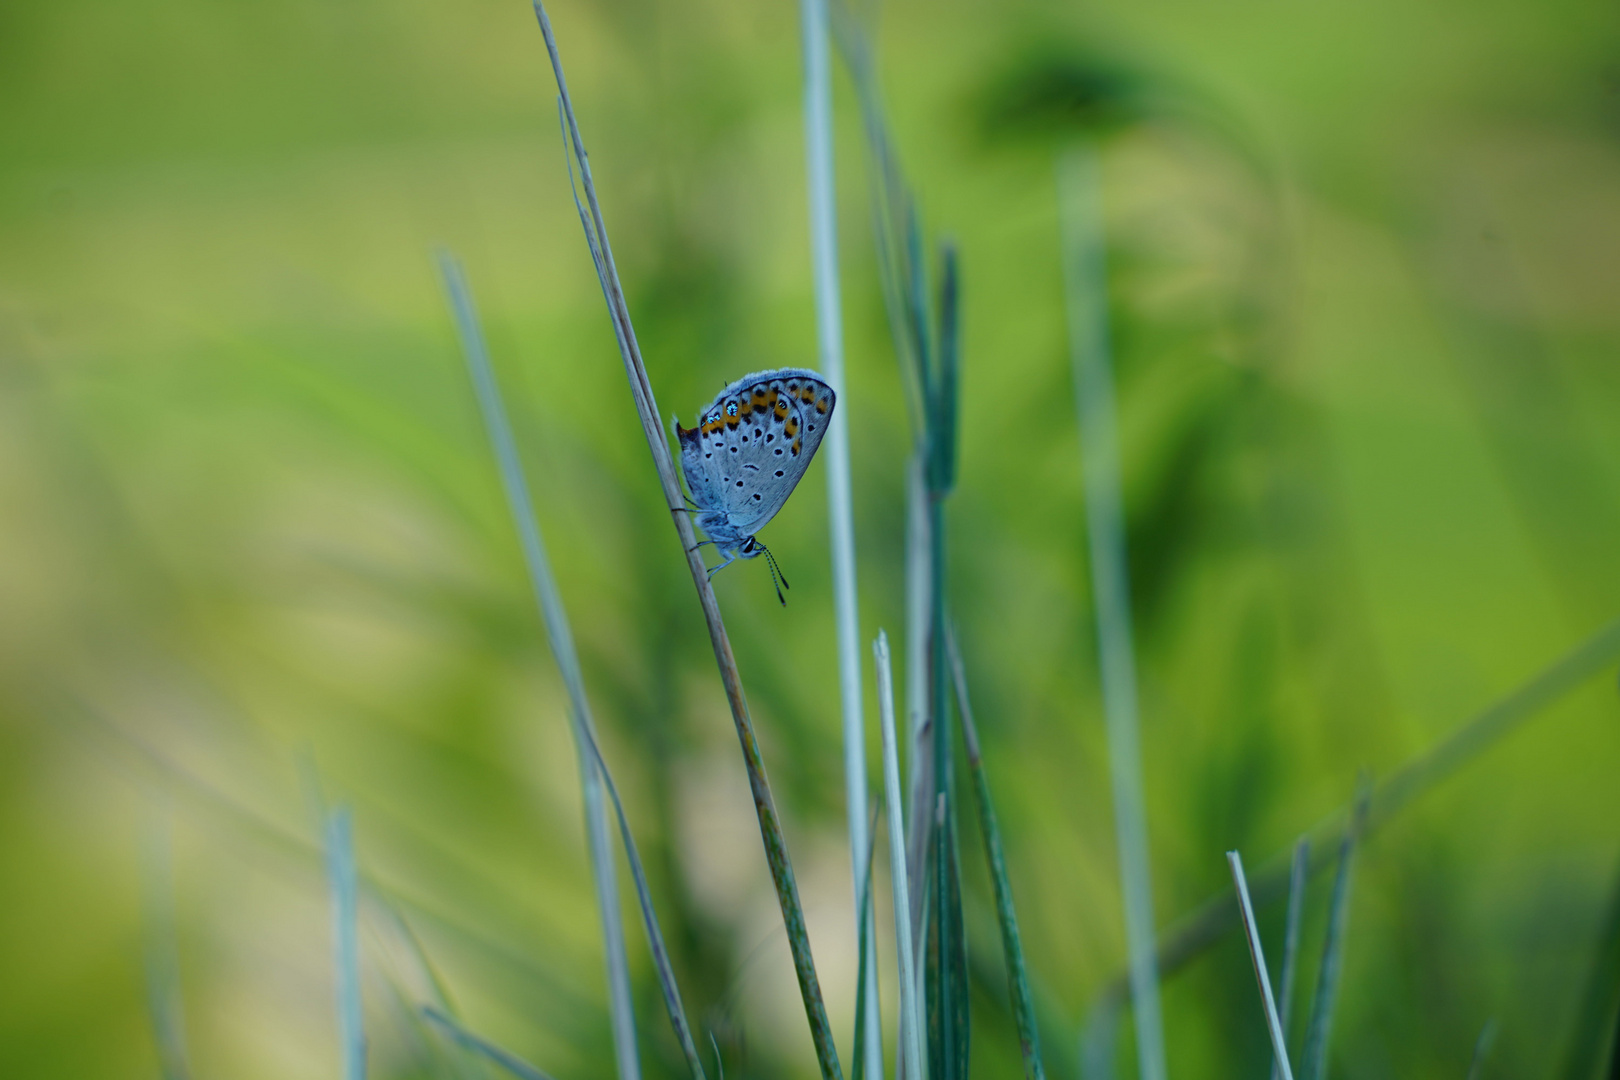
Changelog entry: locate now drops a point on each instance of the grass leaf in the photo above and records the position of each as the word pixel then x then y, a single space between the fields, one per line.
pixel 344 884
pixel 483 1047
pixel 1251 930
pixel 913 1063
pixel 1313 1063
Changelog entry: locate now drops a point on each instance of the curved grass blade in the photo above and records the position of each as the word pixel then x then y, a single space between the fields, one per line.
pixel 1313 1064
pixel 344 883
pixel 561 639
pixel 911 1061
pixel 483 1047
pixel 776 853
pixel 1482 1047
pixel 1086 294
pixel 1251 930
pixel 1029 1042
pixel 1195 932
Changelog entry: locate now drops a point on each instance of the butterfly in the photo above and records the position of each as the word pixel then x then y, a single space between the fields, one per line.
pixel 748 451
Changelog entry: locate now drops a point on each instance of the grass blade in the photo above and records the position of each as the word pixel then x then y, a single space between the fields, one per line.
pixel 840 508
pixel 561 639
pixel 344 883
pixel 1087 291
pixel 864 920
pixel 163 996
pixel 1595 1016
pixel 912 1063
pixel 1029 1043
pixel 1482 1047
pixel 1313 1063
pixel 1296 907
pixel 1205 925
pixel 483 1047
pixel 1279 1046
pixel 920 756
pixel 776 854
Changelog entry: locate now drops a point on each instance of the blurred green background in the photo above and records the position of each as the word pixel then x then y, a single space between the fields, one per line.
pixel 1365 295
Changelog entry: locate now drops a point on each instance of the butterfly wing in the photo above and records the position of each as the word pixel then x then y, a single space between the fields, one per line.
pixel 754 442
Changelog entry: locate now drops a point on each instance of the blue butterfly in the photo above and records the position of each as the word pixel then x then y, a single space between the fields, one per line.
pixel 747 453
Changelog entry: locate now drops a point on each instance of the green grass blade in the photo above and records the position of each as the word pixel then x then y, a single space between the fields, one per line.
pixel 483 1047
pixel 344 884
pixel 862 1049
pixel 1029 1043
pixel 561 639
pixel 919 731
pixel 770 826
pixel 1313 1062
pixel 162 952
pixel 1279 1046
pixel 840 504
pixel 1595 1015
pixel 912 1063
pixel 1296 908
pixel 1482 1047
pixel 1195 932
pixel 1087 291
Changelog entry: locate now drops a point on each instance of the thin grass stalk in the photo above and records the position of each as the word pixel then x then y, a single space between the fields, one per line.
pixel 162 951
pixel 920 756
pixel 776 852
pixel 1274 1024
pixel 483 1047
pixel 428 974
pixel 1482 1047
pixel 840 508
pixel 1087 291
pixel 561 639
pixel 1313 1062
pixel 593 769
pixel 866 925
pixel 344 885
pixel 1029 1042
pixel 1296 908
pixel 1195 932
pixel 910 1059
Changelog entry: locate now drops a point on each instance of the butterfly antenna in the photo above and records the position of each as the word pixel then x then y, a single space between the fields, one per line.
pixel 776 573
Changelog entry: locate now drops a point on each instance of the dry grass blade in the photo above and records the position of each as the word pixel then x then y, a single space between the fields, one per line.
pixel 647 410
pixel 1029 1042
pixel 1257 954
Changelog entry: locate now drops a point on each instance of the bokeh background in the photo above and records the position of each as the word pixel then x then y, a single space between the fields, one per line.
pixel 1365 301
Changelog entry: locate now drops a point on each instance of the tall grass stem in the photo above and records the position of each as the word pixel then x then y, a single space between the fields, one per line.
pixel 1279 1045
pixel 162 949
pixel 1087 302
pixel 776 853
pixel 345 888
pixel 561 638
pixel 912 1063
pixel 835 452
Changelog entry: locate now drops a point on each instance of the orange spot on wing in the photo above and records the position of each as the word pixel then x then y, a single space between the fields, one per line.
pixel 796 447
pixel 793 427
pixel 821 405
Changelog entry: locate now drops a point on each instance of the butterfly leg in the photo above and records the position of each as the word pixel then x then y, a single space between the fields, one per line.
pixel 731 557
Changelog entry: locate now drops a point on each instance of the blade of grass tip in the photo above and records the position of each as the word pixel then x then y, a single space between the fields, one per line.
pixel 344 883
pixel 427 973
pixel 1198 930
pixel 840 505
pixel 1296 908
pixel 1482 1047
pixel 1279 1046
pixel 561 639
pixel 1313 1063
pixel 162 950
pixel 911 1061
pixel 1029 1043
pixel 483 1047
pixel 770 828
pixel 1087 290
